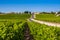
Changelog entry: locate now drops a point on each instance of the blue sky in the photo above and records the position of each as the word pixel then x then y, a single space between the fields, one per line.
pixel 29 5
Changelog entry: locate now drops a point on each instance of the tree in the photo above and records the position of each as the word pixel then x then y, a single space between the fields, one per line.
pixel 44 13
pixel 27 12
pixel 52 12
pixel 58 12
pixel 0 12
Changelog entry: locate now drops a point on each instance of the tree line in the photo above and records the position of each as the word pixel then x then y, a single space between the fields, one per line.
pixel 28 12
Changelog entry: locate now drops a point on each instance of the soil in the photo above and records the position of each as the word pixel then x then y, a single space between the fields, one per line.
pixel 27 34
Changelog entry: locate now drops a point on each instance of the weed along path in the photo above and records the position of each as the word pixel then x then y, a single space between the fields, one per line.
pixel 27 32
pixel 46 23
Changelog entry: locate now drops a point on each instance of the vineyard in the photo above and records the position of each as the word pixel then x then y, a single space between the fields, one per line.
pixel 12 31
pixel 44 32
pixel 48 17
pixel 14 16
pixel 12 26
pixel 16 27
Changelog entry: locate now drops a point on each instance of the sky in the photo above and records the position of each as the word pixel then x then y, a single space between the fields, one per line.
pixel 29 5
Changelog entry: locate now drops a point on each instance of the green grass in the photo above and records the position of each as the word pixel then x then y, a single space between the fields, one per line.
pixel 48 17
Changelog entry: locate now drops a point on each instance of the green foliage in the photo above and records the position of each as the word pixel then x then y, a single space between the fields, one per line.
pixel 15 16
pixel 44 32
pixel 58 12
pixel 12 31
pixel 27 12
pixel 48 17
pixel 12 27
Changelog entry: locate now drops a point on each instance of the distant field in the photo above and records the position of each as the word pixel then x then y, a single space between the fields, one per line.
pixel 15 16
pixel 48 17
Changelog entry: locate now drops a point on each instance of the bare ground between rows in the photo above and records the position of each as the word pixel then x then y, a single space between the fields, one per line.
pixel 27 35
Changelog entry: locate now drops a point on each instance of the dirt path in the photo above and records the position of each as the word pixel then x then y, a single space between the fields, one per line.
pixel 27 33
pixel 46 23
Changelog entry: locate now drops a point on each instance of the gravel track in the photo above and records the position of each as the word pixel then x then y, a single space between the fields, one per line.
pixel 46 23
